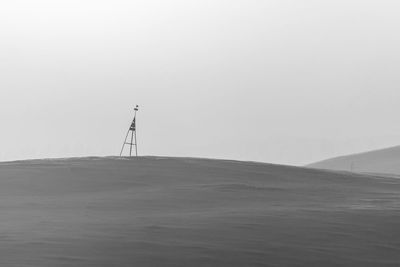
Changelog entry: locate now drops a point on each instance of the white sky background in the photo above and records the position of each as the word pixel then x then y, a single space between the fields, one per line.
pixel 280 81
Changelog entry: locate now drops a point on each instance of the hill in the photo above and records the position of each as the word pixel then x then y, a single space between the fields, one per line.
pixel 385 161
pixel 153 211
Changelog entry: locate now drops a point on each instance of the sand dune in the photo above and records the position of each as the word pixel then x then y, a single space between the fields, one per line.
pixel 385 161
pixel 153 211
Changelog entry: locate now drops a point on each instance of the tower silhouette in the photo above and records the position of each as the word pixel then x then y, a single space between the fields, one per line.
pixel 133 140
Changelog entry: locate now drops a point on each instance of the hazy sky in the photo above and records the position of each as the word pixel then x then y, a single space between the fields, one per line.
pixel 284 81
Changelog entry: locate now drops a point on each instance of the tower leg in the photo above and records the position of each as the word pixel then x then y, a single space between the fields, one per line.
pixel 136 144
pixel 123 145
pixel 130 152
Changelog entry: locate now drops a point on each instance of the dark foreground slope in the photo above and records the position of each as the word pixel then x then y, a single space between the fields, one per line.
pixel 385 161
pixel 194 212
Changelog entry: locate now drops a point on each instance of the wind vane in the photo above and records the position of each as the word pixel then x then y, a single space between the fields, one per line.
pixel 133 141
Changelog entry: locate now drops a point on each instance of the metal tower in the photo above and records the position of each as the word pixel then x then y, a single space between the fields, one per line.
pixel 133 141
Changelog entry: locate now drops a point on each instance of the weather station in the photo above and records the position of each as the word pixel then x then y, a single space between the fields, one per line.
pixel 133 138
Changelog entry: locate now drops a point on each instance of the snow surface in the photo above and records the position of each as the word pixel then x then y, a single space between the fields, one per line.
pixel 150 211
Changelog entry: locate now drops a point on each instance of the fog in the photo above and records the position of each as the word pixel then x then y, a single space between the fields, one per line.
pixel 286 82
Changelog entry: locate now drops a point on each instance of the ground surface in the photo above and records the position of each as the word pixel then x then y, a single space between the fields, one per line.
pixel 194 212
pixel 384 161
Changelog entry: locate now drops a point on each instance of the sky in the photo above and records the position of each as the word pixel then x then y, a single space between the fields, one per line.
pixel 280 81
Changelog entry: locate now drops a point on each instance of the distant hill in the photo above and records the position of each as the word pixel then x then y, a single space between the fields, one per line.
pixel 157 211
pixel 385 161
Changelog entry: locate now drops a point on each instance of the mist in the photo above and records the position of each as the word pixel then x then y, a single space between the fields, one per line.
pixel 286 82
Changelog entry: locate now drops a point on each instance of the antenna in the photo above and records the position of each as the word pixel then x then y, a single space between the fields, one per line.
pixel 132 131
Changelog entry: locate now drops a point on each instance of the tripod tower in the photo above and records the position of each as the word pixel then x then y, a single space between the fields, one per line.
pixel 133 141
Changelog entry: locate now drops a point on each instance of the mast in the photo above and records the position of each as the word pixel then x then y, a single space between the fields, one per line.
pixel 132 130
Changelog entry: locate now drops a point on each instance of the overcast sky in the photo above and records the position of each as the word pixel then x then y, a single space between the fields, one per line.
pixel 283 81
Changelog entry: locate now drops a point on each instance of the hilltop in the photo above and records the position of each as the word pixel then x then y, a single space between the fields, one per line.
pixel 384 161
